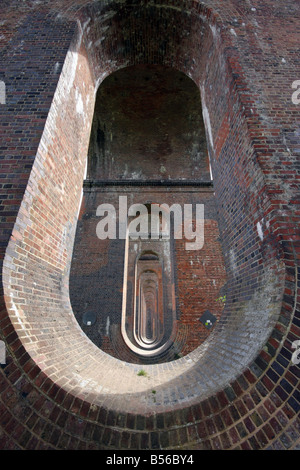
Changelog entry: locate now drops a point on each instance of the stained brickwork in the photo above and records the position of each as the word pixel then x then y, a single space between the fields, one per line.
pixel 97 271
pixel 240 389
pixel 147 127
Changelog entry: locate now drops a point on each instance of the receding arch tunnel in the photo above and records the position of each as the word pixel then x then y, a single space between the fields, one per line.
pixel 147 144
pixel 42 315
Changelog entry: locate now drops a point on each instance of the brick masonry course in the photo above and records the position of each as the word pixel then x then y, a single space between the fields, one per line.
pixel 240 388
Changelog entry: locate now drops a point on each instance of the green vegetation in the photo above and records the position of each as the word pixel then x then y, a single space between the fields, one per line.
pixel 221 299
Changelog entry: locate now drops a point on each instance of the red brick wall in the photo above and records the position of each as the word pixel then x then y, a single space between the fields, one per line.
pixel 147 126
pixel 56 387
pixel 97 271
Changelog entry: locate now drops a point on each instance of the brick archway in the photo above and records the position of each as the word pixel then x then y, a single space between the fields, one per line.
pixel 78 380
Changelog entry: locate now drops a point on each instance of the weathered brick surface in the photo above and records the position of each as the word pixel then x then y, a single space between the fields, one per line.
pixel 148 125
pixel 97 272
pixel 57 389
pixel 147 129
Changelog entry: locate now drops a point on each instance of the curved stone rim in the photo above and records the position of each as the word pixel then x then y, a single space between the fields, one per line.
pixel 187 364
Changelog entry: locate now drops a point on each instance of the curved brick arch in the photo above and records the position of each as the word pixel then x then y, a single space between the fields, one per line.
pixel 227 418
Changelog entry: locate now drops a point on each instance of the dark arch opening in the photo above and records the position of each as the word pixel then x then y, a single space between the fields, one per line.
pixel 212 366
pixel 147 126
